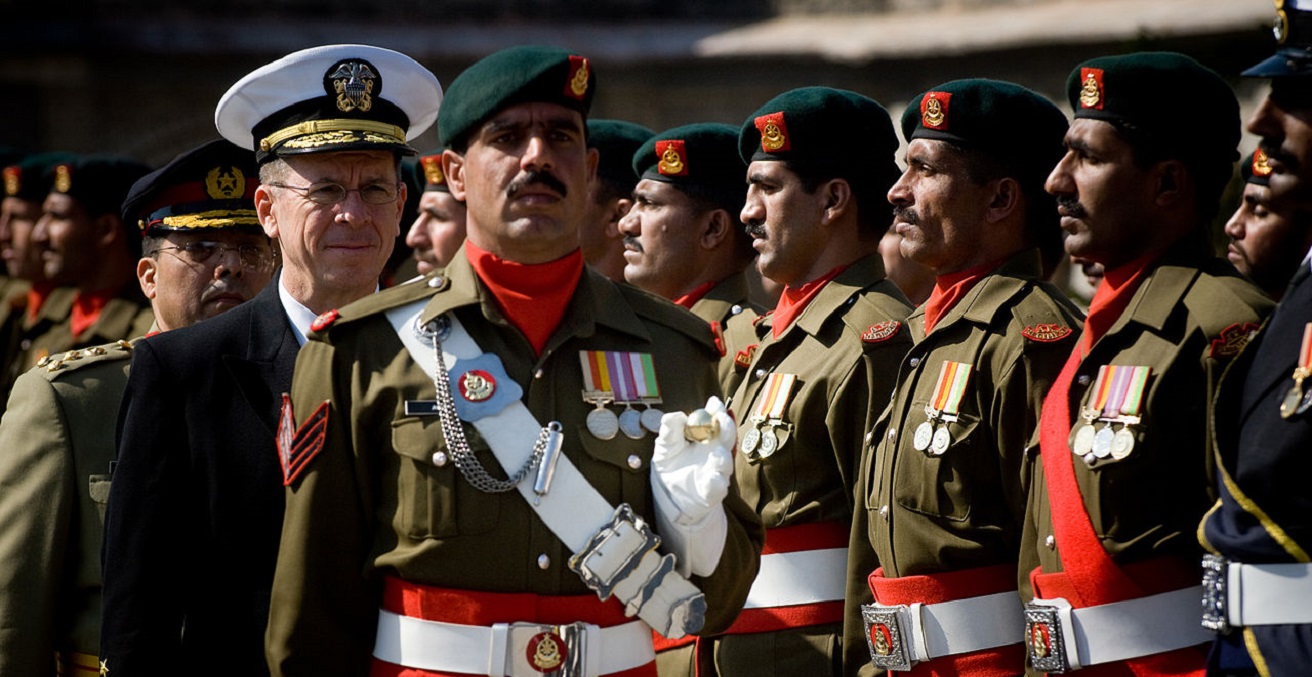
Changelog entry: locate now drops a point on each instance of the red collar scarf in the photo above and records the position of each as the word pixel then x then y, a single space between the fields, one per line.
pixel 1113 296
pixel 794 300
pixel 948 289
pixel 36 297
pixel 532 296
pixel 692 297
pixel 86 309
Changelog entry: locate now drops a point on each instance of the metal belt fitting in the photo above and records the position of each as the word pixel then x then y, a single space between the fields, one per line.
pixel 1048 625
pixel 899 636
pixel 1239 595
pixel 1060 638
pixel 1216 602
pixel 888 633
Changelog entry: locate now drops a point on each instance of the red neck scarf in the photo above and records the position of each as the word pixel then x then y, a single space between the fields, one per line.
pixel 948 289
pixel 532 296
pixel 1113 295
pixel 87 307
pixel 36 297
pixel 794 300
pixel 692 297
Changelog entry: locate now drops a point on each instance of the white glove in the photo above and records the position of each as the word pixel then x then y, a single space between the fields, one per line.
pixel 689 482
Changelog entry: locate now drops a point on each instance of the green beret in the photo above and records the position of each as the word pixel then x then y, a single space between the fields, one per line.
pixel 10 156
pixel 1164 98
pixel 829 131
pixel 616 141
pixel 702 154
pixel 99 183
pixel 1009 123
pixel 209 187
pixel 510 77
pixel 1255 169
pixel 1293 33
pixel 30 178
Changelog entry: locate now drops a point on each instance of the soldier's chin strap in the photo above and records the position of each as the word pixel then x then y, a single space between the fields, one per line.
pixel 614 550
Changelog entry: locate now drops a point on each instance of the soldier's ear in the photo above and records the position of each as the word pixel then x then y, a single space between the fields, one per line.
pixel 453 167
pixel 108 229
pixel 1006 200
pixel 147 268
pixel 838 199
pixel 264 211
pixel 718 228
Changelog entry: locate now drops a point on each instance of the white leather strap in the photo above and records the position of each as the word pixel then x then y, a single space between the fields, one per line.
pixel 972 624
pixel 1137 627
pixel 803 577
pixel 1269 594
pixel 480 650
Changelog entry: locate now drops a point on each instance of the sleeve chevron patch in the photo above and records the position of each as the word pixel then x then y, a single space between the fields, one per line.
pixel 298 446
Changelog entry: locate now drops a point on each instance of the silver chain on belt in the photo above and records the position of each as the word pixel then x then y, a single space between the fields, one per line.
pixel 454 432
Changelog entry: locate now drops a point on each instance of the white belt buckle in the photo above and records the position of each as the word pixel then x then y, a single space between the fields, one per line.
pixel 1050 637
pixel 1216 603
pixel 534 649
pixel 614 551
pixel 890 635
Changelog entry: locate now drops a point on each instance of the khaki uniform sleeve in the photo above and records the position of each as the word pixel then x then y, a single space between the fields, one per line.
pixel 37 504
pixel 324 612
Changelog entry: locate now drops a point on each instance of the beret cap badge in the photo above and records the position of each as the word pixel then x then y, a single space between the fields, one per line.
pixel 578 77
pixel 13 180
pixel 432 165
pixel 225 183
pixel 1260 165
pixel 934 110
pixel 353 82
pixel 63 179
pixel 671 153
pixel 1091 90
pixel 774 133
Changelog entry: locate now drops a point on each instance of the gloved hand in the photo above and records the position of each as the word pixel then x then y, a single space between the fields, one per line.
pixel 689 482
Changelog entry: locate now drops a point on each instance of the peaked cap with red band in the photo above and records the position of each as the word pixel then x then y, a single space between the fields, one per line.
pixel 208 187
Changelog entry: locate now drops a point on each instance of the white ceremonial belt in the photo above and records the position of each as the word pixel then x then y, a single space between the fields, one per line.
pixel 1237 594
pixel 615 551
pixel 900 636
pixel 508 649
pixel 802 577
pixel 1061 638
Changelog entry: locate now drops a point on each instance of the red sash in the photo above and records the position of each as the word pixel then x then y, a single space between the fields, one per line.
pixel 1002 661
pixel 468 607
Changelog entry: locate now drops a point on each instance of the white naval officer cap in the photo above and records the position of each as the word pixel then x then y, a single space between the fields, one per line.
pixel 328 99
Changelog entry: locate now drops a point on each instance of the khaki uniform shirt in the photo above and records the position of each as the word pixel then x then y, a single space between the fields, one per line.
pixel 922 513
pixel 57 439
pixel 13 309
pixel 1187 320
pixel 373 502
pixel 728 304
pixel 809 479
pixel 126 316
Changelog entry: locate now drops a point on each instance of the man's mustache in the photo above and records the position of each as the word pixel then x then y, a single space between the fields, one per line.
pixel 1070 206
pixel 632 242
pixel 906 215
pixel 536 178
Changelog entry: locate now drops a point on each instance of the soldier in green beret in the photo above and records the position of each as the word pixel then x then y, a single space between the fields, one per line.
pixel 479 470
pixel 611 194
pixel 682 237
pixel 202 253
pixel 437 233
pixel 1269 234
pixel 84 244
pixel 1112 513
pixel 820 161
pixel 941 490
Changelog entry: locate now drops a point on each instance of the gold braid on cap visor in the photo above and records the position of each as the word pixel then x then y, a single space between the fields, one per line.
pixel 323 132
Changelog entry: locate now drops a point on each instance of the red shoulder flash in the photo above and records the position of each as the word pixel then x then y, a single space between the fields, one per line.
pixel 881 331
pixel 743 359
pixel 1046 333
pixel 325 320
pixel 1232 340
pixel 718 331
pixel 298 446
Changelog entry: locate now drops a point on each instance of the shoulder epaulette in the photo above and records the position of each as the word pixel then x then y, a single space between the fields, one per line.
pixel 877 304
pixel 53 366
pixel 655 309
pixel 381 302
pixel 1219 298
pixel 1045 315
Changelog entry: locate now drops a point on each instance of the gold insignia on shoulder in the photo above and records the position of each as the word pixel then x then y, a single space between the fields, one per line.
pixel 63 178
pixel 1232 340
pixel 671 154
pixel 225 183
pixel 1091 93
pixel 578 82
pixel 13 180
pixel 98 350
pixel 1261 166
pixel 104 667
pixel 124 345
pixel 432 165
pixel 353 82
pixel 45 359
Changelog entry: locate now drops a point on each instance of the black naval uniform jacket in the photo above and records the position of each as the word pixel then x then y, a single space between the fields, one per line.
pixel 196 501
pixel 1264 461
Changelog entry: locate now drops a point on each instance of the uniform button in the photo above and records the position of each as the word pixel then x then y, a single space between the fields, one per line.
pixel 436 282
pixel 760 373
pixel 869 436
pixel 892 433
pixel 1083 379
pixel 544 562
pixel 1050 541
pixel 634 461
pixel 439 459
pixel 736 309
pixel 537 374
pixel 914 362
pixel 883 513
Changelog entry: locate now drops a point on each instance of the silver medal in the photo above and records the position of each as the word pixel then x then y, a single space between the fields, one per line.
pixel 751 439
pixel 1083 443
pixel 651 419
pixel 1102 442
pixel 942 440
pixel 769 442
pixel 1122 443
pixel 631 423
pixel 924 435
pixel 603 423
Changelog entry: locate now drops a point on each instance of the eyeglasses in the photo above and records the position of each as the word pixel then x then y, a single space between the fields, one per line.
pixel 252 256
pixel 333 193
